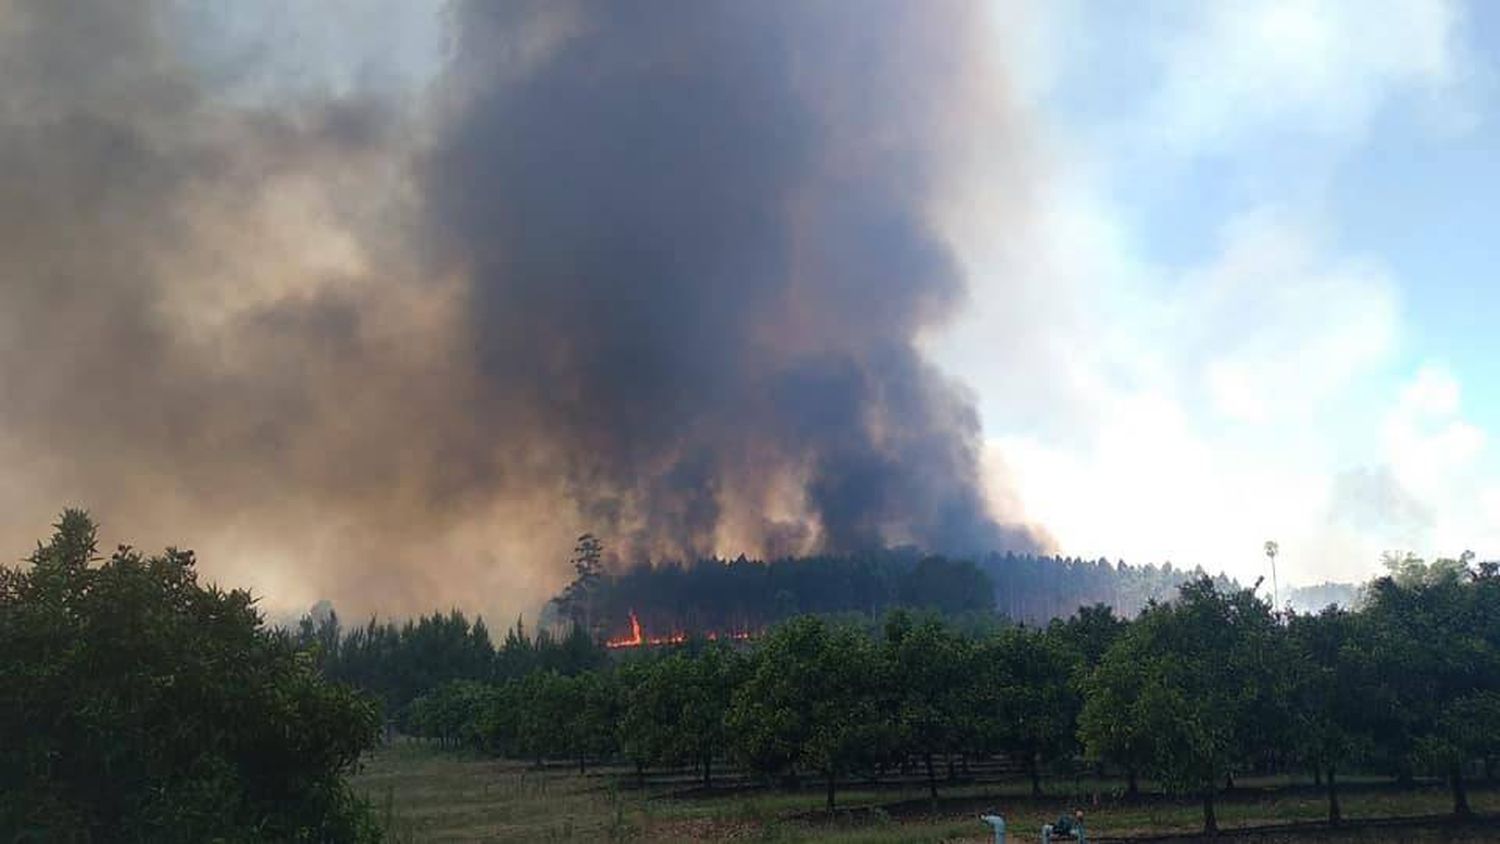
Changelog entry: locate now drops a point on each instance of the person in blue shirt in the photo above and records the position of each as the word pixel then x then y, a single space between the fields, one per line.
pixel 997 823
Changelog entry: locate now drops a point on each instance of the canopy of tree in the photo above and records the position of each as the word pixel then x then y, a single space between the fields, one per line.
pixel 138 705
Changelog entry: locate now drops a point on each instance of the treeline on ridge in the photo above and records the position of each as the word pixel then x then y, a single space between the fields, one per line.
pixel 717 595
pixel 398 662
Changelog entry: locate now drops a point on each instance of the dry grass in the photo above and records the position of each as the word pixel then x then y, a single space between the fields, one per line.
pixel 423 794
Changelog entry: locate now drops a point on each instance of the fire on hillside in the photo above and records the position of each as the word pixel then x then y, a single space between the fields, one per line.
pixel 638 637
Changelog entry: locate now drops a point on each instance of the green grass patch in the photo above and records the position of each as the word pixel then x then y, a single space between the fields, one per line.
pixel 425 794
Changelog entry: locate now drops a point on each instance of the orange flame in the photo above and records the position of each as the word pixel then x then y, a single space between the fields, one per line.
pixel 637 636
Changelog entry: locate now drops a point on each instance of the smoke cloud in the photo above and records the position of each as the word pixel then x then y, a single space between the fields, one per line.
pixel 656 270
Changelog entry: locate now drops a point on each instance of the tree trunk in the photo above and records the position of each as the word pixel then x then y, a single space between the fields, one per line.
pixel 1317 774
pixel 1210 821
pixel 708 770
pixel 1335 817
pixel 1229 781
pixel 1404 776
pixel 931 779
pixel 952 775
pixel 640 774
pixel 1460 791
pixel 1036 775
pixel 831 780
pixel 580 764
pixel 1132 783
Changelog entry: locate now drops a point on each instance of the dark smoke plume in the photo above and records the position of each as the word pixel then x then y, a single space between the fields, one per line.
pixel 701 244
pixel 657 270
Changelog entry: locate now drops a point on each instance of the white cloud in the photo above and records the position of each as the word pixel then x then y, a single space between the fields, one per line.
pixel 1433 450
pixel 1427 490
pixel 1274 327
pixel 1317 66
pixel 1202 409
pixel 1152 411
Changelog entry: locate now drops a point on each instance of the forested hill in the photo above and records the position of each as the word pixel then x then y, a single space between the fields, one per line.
pixel 1037 589
pixel 728 596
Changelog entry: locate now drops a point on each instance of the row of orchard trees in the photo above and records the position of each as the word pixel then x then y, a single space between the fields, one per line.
pixel 1212 683
pixel 1190 693
pixel 397 662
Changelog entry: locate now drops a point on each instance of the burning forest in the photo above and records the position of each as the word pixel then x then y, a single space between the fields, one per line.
pixel 638 637
pixel 713 599
pixel 656 270
pixel 826 326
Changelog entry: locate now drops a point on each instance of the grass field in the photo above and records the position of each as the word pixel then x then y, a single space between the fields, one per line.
pixel 422 793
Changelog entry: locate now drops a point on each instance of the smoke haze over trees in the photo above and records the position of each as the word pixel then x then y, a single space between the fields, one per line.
pixel 725 596
pixel 660 273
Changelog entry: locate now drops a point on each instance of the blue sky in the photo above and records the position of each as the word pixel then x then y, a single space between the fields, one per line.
pixel 1269 228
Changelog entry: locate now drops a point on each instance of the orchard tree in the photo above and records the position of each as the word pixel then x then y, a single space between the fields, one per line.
pixel 1087 635
pixel 708 680
pixel 932 670
pixel 1437 639
pixel 1027 698
pixel 1112 725
pixel 648 710
pixel 1205 681
pixel 1333 688
pixel 675 708
pixel 544 698
pixel 812 701
pixel 592 717
pixel 137 704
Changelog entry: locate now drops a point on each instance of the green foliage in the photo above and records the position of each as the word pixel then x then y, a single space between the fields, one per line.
pixel 1199 689
pixel 1335 687
pixel 931 669
pixel 1193 692
pixel 137 704
pixel 451 713
pixel 1435 642
pixel 813 701
pixel 1113 724
pixel 1087 635
pixel 674 708
pixel 399 663
pixel 944 585
pixel 1029 705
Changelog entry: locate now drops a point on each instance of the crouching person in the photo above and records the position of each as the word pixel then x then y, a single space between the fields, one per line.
pixel 1065 827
